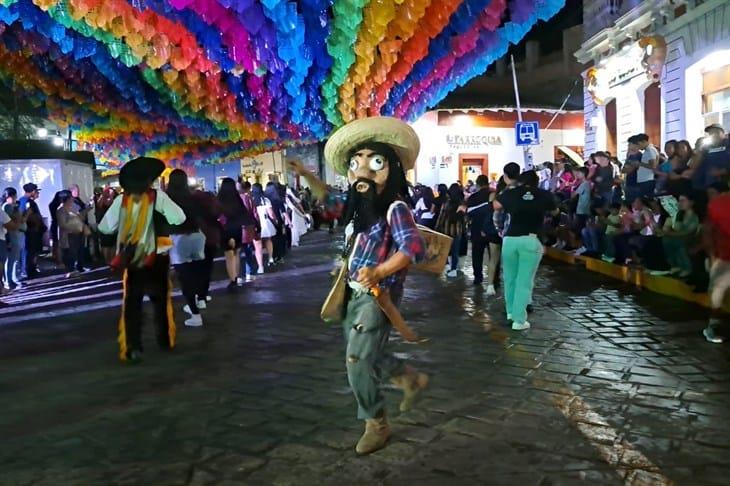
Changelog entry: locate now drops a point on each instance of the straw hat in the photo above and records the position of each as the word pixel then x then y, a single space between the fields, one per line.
pixel 138 174
pixel 381 129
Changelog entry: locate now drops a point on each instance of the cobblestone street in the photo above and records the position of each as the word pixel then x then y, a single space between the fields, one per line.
pixel 608 387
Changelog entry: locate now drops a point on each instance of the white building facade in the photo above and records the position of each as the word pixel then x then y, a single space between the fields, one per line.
pixel 661 68
pixel 459 145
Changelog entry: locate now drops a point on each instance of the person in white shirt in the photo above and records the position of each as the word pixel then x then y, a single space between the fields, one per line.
pixel 649 162
pixel 140 218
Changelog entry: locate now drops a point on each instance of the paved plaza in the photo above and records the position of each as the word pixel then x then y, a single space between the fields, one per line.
pixel 609 386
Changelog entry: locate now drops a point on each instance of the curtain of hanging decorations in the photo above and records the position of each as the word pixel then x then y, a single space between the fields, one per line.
pixel 193 81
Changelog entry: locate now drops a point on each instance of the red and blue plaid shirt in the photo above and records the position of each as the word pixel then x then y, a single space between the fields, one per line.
pixel 373 247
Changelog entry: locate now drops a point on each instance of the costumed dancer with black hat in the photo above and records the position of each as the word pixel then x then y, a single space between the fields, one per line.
pixel 140 217
pixel 382 240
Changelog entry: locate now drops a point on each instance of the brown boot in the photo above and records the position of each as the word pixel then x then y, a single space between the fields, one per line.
pixel 377 433
pixel 412 383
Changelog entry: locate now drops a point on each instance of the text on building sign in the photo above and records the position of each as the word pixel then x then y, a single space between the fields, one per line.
pixel 472 141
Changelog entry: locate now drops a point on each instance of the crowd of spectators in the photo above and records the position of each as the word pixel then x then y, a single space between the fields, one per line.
pixel 646 211
pixel 271 220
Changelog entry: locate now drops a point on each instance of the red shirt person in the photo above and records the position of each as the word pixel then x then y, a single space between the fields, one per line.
pixel 718 239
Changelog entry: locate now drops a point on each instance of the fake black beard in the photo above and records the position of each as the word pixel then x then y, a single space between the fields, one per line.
pixel 361 207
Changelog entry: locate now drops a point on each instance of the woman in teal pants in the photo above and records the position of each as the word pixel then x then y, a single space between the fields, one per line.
pixel 521 248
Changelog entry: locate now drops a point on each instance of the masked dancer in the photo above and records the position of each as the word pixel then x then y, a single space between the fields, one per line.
pixel 382 240
pixel 140 217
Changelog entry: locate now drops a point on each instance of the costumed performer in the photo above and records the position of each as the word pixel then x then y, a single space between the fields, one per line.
pixel 382 240
pixel 140 217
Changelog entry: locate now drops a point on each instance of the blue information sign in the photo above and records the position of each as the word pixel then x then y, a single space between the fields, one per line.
pixel 527 133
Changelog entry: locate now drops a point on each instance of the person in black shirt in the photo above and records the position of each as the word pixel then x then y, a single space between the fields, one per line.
pixel 522 251
pixel 479 210
pixel 234 218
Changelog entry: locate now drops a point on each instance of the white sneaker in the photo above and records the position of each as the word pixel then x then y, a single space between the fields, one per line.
pixel 452 274
pixel 261 271
pixel 208 298
pixel 710 335
pixel 250 278
pixel 520 327
pixel 490 290
pixel 239 282
pixel 580 251
pixel 186 309
pixel 202 304
pixel 196 320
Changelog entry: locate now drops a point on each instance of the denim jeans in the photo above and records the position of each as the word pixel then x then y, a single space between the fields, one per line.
pixel 646 189
pixel 591 238
pixel 366 332
pixel 249 259
pixel 13 268
pixel 632 192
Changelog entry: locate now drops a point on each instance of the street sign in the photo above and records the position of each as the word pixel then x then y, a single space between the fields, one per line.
pixel 527 133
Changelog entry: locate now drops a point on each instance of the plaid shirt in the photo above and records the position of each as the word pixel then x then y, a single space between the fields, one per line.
pixel 398 233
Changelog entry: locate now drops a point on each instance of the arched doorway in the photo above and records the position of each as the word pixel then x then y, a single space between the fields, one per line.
pixel 652 113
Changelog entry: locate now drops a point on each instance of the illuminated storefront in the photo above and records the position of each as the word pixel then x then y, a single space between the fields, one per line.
pixel 459 145
pixel 663 69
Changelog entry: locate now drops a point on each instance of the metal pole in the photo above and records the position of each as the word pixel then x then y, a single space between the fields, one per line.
pixel 526 157
pixel 560 110
pixel 516 88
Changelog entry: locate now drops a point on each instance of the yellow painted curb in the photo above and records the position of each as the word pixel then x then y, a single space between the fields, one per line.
pixel 658 284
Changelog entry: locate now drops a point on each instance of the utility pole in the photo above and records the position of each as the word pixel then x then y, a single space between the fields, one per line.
pixel 526 155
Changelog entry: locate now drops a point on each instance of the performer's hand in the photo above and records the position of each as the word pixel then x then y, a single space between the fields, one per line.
pixel 410 337
pixel 297 166
pixel 369 277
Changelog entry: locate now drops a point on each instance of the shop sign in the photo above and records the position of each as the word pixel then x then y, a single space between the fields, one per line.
pixel 618 69
pixel 624 74
pixel 250 165
pixel 472 142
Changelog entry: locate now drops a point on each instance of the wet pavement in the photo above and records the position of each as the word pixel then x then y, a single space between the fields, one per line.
pixel 608 387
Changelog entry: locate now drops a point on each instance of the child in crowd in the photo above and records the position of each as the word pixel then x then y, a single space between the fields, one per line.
pixel 592 235
pixel 613 227
pixel 678 232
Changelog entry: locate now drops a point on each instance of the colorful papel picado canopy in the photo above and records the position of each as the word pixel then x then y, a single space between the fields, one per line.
pixel 211 80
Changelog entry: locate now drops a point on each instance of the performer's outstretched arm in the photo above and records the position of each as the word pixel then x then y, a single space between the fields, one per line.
pixel 318 187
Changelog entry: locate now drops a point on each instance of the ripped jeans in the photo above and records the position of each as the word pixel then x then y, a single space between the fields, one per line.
pixel 366 332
